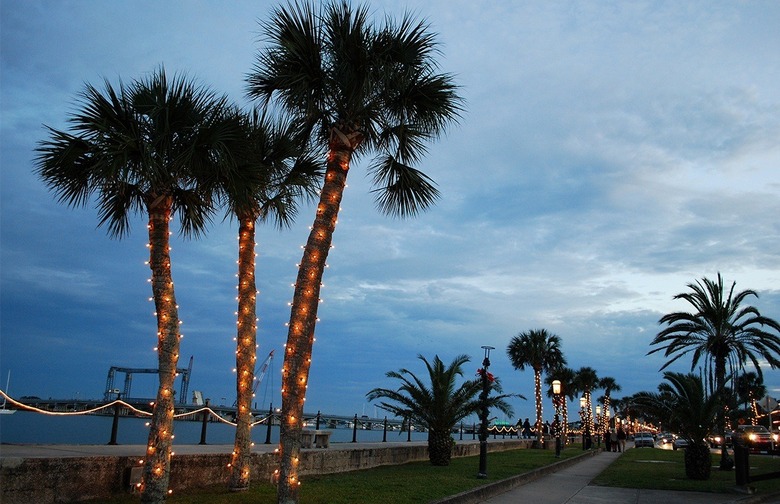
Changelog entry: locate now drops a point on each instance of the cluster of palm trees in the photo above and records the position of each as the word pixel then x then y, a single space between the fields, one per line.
pixel 725 335
pixel 331 87
pixel 541 351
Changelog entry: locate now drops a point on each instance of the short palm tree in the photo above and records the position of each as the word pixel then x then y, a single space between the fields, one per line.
pixel 354 88
pixel 268 172
pixel 145 147
pixel 750 388
pixel 608 385
pixel 684 405
pixel 439 405
pixel 723 331
pixel 566 376
pixel 541 351
pixel 586 381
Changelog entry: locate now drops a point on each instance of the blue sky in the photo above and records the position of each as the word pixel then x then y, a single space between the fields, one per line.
pixel 610 153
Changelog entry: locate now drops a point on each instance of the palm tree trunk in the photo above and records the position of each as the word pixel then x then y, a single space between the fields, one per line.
pixel 440 447
pixel 246 354
pixel 726 463
pixel 538 398
pixel 303 314
pixel 157 464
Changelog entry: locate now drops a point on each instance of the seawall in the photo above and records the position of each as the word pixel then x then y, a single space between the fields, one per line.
pixel 57 479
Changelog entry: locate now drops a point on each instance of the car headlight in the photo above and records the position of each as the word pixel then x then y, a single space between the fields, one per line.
pixel 752 437
pixel 717 439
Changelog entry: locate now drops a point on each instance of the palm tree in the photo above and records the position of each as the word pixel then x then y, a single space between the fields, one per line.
pixel 608 385
pixel 750 388
pixel 684 405
pixel 586 381
pixel 354 89
pixel 722 330
pixel 541 351
pixel 566 376
pixel 269 172
pixel 439 406
pixel 143 148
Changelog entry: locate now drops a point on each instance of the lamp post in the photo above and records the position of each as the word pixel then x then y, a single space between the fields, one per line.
pixel 556 387
pixel 483 429
pixel 599 425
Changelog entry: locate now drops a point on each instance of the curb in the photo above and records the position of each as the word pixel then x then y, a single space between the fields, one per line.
pixel 484 492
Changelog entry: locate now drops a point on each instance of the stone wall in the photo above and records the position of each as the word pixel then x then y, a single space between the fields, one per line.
pixel 74 479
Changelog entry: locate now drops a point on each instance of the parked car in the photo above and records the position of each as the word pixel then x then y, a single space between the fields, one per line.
pixel 756 437
pixel 644 439
pixel 679 442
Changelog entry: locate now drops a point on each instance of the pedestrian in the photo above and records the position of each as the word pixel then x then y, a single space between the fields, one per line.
pixel 607 440
pixel 621 438
pixel 526 429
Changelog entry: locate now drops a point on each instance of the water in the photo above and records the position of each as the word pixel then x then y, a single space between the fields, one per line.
pixel 24 427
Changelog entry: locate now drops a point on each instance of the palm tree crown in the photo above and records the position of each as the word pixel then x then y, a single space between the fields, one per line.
pixel 353 88
pixel 541 351
pixel 439 406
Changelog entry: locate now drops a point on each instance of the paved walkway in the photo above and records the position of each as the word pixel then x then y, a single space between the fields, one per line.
pixel 571 486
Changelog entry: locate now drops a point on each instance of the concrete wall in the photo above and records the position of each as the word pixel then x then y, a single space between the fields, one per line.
pixel 73 479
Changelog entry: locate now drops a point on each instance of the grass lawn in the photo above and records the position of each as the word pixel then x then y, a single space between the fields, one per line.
pixel 412 483
pixel 665 470
pixel 420 482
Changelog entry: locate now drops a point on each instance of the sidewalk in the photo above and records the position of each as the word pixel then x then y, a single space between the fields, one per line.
pixel 571 486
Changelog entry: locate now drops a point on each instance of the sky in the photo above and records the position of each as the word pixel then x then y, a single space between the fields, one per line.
pixel 609 154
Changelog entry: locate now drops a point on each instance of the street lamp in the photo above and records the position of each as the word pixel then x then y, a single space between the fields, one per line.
pixel 483 398
pixel 599 425
pixel 556 387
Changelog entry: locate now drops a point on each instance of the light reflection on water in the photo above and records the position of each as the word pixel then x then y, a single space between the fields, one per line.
pixel 24 427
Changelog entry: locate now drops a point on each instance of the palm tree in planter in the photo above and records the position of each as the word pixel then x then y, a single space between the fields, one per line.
pixel 268 172
pixel 354 88
pixel 684 405
pixel 147 147
pixel 440 405
pixel 541 351
pixel 723 331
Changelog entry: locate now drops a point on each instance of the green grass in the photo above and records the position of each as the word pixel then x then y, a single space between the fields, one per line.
pixel 411 483
pixel 420 482
pixel 665 470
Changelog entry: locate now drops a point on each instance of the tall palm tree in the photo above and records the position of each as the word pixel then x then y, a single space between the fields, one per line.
pixel 354 88
pixel 440 405
pixel 144 147
pixel 586 381
pixel 722 330
pixel 566 376
pixel 608 385
pixel 683 404
pixel 541 351
pixel 268 172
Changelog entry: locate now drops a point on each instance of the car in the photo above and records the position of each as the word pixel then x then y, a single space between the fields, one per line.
pixel 666 437
pixel 644 439
pixel 715 440
pixel 679 442
pixel 756 437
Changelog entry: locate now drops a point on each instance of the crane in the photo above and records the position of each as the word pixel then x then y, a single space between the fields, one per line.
pixel 260 373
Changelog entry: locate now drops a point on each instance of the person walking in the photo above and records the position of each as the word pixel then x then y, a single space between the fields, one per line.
pixel 607 440
pixel 621 439
pixel 526 429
